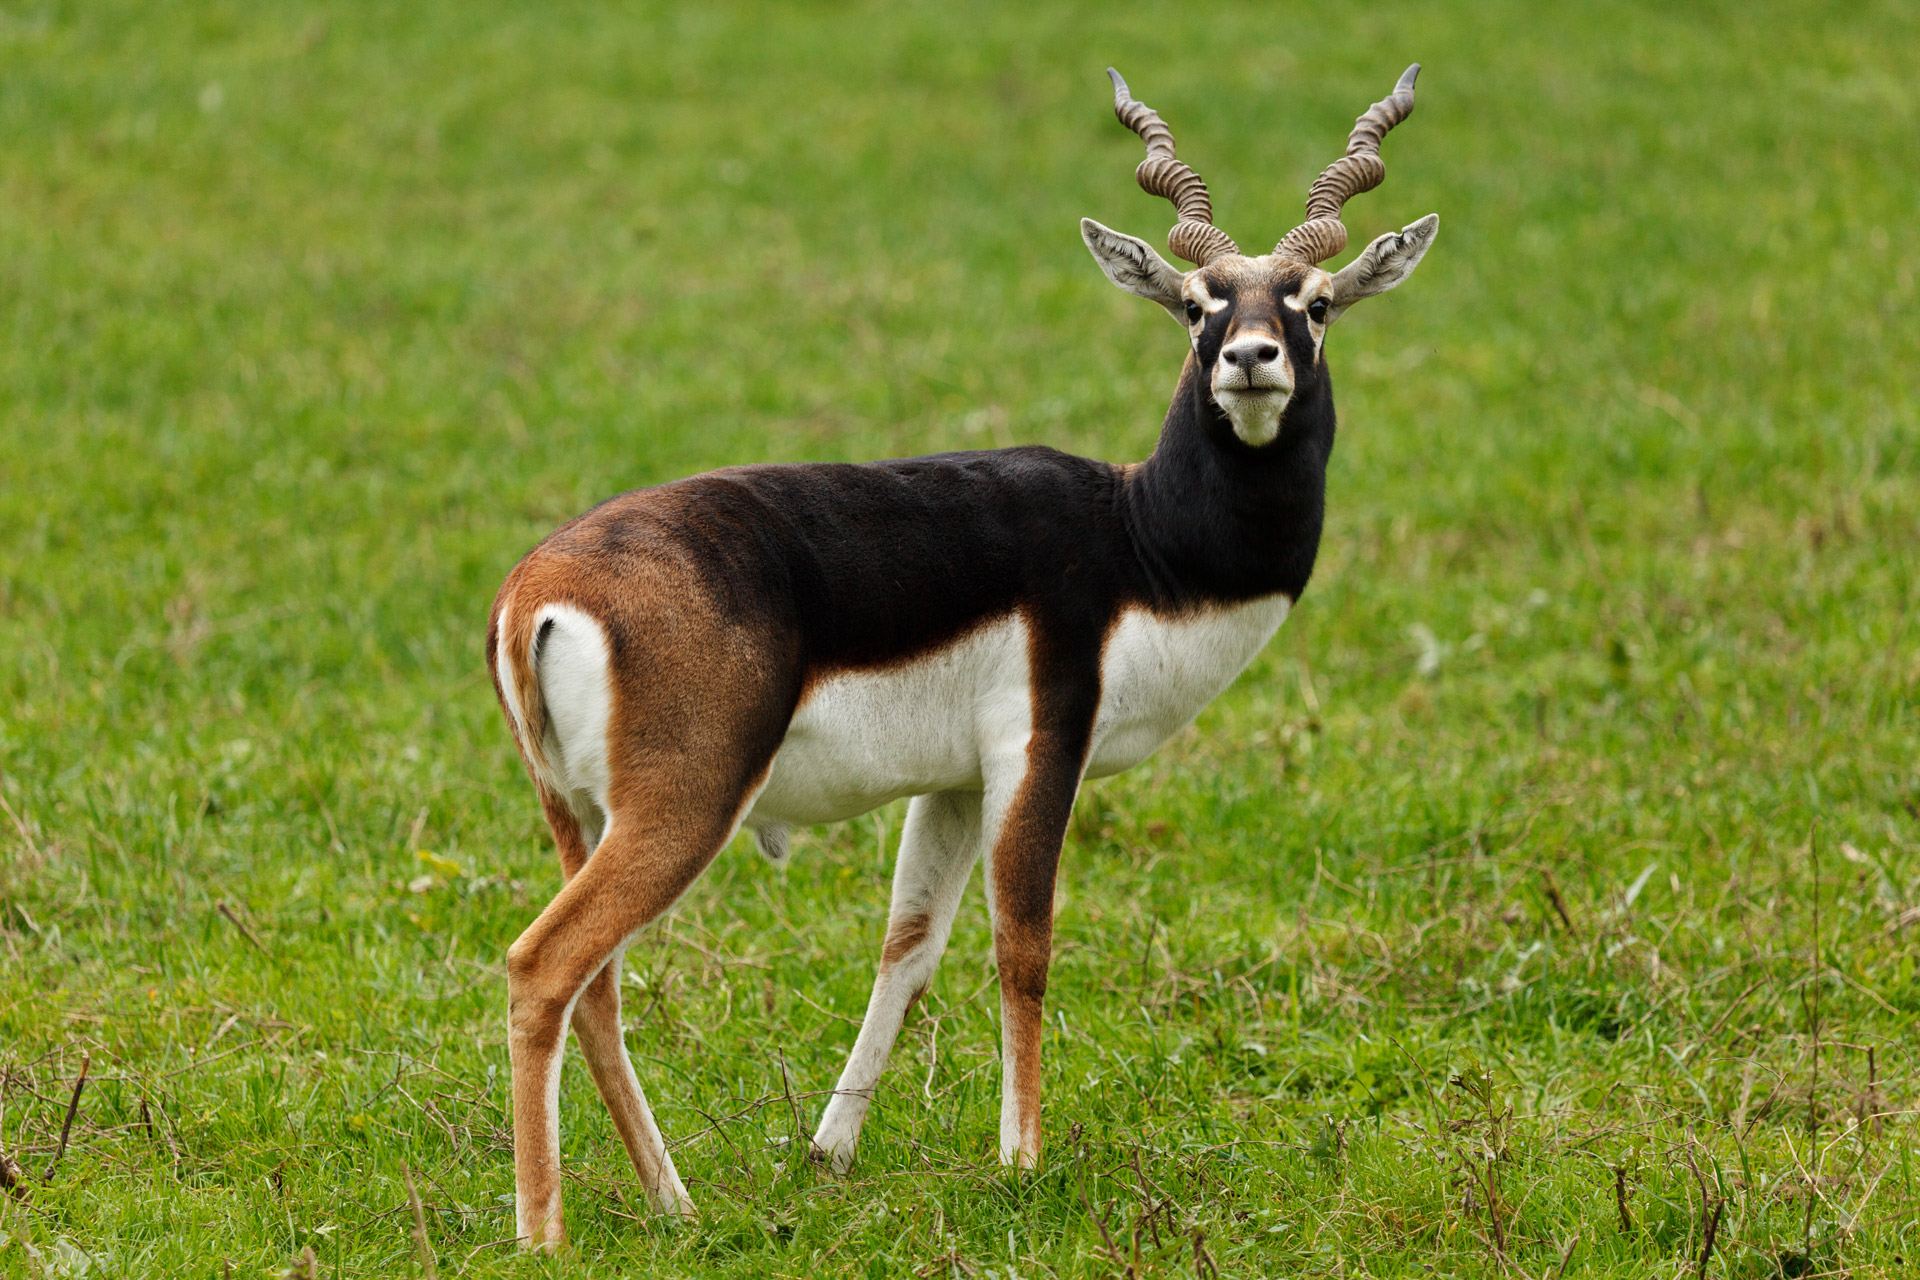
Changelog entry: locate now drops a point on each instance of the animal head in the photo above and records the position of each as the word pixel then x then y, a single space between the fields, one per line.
pixel 1257 324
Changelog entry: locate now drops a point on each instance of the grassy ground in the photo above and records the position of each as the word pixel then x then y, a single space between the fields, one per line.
pixel 1546 893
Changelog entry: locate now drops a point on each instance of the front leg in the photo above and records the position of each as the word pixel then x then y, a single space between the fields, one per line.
pixel 937 852
pixel 1021 863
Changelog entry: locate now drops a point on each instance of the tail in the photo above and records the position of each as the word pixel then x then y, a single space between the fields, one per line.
pixel 513 643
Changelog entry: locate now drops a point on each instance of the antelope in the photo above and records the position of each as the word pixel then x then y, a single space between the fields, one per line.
pixel 788 645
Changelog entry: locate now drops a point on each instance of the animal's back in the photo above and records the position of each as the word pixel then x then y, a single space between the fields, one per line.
pixel 884 603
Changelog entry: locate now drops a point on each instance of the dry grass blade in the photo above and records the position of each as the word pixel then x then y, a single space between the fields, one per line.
pixel 1559 904
pixel 1711 1230
pixel 1203 1263
pixel 800 1133
pixel 26 836
pixel 1813 1072
pixel 66 1125
pixel 420 1228
pixel 226 909
pixel 13 1179
pixel 1566 1255
pixel 1113 1252
pixel 1712 1205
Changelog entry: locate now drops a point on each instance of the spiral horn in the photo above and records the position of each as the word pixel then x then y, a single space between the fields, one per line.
pixel 1194 237
pixel 1323 235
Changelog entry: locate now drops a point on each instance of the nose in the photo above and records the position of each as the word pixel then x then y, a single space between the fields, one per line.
pixel 1250 351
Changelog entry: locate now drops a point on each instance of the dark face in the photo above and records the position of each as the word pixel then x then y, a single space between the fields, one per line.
pixel 1257 325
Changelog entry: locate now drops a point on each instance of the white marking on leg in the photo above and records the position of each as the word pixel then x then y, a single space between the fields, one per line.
pixel 537 1218
pixel 603 1045
pixel 937 852
pixel 1003 785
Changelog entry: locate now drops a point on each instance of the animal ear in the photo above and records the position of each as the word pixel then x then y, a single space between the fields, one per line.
pixel 1134 266
pixel 1383 264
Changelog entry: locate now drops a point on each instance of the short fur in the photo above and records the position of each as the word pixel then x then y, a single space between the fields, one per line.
pixel 777 645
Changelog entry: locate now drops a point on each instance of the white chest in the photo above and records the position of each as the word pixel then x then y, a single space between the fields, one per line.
pixel 943 722
pixel 1157 673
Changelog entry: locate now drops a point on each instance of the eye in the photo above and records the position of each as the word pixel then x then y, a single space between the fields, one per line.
pixel 1317 310
pixel 1193 312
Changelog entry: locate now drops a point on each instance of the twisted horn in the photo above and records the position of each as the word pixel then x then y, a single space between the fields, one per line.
pixel 1194 237
pixel 1361 169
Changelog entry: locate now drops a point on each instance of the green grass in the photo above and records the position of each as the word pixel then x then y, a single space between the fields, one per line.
pixel 316 319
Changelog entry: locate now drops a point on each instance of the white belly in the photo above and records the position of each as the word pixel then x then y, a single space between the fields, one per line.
pixel 864 738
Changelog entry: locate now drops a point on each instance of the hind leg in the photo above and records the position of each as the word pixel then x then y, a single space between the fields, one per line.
pixel 641 867
pixel 596 1026
pixel 626 682
pixel 937 853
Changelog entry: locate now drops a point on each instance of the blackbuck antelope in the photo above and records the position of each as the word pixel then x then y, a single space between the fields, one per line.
pixel 772 646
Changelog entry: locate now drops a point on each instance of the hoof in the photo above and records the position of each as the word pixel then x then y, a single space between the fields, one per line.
pixel 546 1234
pixel 834 1160
pixel 550 1244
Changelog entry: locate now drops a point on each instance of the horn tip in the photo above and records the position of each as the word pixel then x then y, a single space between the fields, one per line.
pixel 1119 85
pixel 1407 78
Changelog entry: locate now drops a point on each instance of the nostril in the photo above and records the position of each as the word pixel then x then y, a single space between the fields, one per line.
pixel 1231 356
pixel 1266 352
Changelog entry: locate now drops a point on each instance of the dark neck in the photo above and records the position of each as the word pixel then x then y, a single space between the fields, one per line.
pixel 1217 521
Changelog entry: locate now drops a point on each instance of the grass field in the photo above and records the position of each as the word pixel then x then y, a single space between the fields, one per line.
pixel 1547 892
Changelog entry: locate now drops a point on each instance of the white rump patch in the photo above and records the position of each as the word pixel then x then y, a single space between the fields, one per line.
pixel 571 662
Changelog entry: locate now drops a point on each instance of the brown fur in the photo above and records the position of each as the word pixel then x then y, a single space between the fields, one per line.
pixel 723 598
pixel 903 935
pixel 1024 860
pixel 694 721
pixel 530 726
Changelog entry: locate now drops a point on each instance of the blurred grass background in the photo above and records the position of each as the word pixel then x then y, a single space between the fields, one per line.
pixel 317 317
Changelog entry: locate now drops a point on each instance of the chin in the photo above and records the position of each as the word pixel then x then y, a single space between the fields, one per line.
pixel 1255 414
